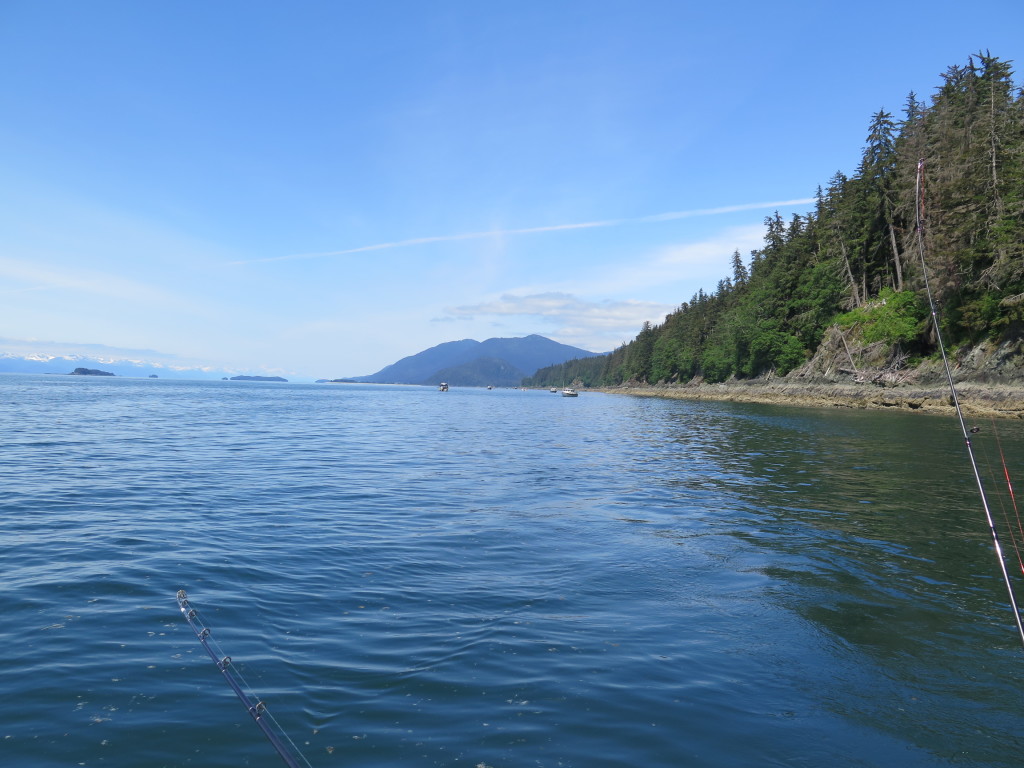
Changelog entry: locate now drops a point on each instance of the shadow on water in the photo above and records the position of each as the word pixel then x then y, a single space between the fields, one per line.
pixel 495 578
pixel 870 527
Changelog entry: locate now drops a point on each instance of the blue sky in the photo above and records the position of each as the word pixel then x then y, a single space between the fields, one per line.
pixel 318 189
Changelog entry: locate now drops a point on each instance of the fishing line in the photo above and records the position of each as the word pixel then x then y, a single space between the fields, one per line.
pixel 919 226
pixel 255 706
pixel 1015 542
pixel 1011 494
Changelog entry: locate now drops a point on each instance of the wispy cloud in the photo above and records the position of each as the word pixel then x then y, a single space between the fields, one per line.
pixel 39 349
pixel 683 267
pixel 655 218
pixel 45 278
pixel 595 325
pixel 78 348
pixel 603 324
pixel 724 209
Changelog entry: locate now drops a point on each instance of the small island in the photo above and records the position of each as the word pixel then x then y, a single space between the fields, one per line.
pixel 89 372
pixel 256 378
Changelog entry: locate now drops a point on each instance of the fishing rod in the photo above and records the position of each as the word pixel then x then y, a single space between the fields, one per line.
pixel 257 709
pixel 919 226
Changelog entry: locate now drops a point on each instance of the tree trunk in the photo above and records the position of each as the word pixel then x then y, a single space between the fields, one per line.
pixel 896 258
pixel 849 274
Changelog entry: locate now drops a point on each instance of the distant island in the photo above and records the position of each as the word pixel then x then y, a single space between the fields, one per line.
pixel 256 378
pixel 89 372
pixel 335 381
pixel 134 364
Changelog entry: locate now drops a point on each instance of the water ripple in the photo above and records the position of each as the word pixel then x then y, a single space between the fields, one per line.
pixel 492 578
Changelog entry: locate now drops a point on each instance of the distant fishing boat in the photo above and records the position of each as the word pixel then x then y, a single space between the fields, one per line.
pixel 570 392
pixel 554 390
pixel 443 387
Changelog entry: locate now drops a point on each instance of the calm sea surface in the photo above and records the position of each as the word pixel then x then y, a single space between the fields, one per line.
pixel 495 578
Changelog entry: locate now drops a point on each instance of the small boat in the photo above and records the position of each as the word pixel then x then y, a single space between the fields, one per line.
pixel 490 387
pixel 553 390
pixel 443 387
pixel 569 392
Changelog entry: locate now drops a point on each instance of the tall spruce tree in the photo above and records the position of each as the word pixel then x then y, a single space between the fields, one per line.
pixel 855 246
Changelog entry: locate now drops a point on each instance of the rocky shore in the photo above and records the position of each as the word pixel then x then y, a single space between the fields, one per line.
pixel 989 381
pixel 976 399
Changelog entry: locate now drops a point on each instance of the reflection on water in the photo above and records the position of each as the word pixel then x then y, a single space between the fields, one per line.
pixel 496 577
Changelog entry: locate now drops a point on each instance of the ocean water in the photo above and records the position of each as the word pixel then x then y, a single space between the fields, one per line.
pixel 496 578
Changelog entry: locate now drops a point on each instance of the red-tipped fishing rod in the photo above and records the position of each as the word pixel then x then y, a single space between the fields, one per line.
pixel 919 214
pixel 257 709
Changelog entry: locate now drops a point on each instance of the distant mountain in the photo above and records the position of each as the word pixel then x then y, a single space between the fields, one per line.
pixel 44 363
pixel 482 372
pixel 501 362
pixel 422 367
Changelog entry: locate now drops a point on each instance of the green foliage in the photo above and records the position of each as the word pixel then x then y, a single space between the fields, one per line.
pixel 663 363
pixel 894 317
pixel 775 350
pixel 716 364
pixel 982 316
pixel 854 259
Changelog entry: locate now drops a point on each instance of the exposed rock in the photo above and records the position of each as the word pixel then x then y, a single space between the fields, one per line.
pixel 975 399
pixel 989 381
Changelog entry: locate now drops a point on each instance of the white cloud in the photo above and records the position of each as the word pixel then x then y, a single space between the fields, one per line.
pixel 680 268
pixel 45 278
pixel 595 325
pixel 725 209
pixel 677 271
pixel 651 219
pixel 37 349
pixel 60 348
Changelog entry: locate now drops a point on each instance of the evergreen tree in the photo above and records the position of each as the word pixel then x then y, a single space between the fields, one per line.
pixel 851 252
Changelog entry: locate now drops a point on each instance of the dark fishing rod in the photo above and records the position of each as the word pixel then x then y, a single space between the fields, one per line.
pixel 257 709
pixel 919 214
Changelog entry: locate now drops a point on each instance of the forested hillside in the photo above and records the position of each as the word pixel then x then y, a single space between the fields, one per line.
pixel 852 264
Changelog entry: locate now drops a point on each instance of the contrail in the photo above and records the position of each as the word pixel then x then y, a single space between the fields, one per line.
pixel 531 230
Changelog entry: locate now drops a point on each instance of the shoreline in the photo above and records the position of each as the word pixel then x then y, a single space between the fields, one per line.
pixel 976 399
